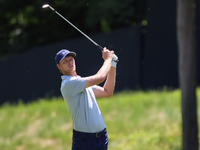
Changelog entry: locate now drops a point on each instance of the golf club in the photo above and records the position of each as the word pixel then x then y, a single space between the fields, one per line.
pixel 101 48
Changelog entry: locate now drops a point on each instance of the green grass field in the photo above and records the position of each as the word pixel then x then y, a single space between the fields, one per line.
pixel 135 121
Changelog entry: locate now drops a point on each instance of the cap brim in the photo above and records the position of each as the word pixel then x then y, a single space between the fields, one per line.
pixel 69 54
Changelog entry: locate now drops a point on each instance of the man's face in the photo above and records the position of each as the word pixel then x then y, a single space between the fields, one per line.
pixel 67 65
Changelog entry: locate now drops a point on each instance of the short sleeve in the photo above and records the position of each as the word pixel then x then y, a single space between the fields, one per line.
pixel 93 87
pixel 74 85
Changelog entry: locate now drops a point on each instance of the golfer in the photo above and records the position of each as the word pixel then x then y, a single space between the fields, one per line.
pixel 79 93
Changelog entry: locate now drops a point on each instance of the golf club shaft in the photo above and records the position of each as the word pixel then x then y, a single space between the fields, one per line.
pixel 101 48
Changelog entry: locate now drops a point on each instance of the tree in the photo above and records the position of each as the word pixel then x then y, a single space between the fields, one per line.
pixel 186 28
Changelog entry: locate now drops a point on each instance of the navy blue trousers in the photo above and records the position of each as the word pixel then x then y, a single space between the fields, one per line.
pixel 90 141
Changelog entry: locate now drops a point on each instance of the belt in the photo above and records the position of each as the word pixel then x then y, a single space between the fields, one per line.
pixel 86 134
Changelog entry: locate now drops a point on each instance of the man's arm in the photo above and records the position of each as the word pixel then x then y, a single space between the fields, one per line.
pixel 101 75
pixel 108 88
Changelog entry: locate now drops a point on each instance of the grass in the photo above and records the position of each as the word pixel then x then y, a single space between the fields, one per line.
pixel 135 120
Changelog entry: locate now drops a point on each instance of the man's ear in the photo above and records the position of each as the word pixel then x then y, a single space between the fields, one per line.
pixel 58 66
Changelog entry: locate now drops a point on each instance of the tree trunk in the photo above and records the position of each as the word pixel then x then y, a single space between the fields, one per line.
pixel 186 29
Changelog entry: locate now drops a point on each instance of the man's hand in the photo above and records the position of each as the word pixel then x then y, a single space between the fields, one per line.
pixel 106 54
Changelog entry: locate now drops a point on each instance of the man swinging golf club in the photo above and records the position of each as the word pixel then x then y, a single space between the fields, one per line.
pixel 79 93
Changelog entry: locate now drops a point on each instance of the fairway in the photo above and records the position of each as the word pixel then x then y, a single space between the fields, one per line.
pixel 135 120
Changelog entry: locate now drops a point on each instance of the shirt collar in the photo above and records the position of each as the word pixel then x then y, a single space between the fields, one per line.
pixel 63 77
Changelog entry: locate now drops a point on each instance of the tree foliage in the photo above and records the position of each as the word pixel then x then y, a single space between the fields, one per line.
pixel 25 24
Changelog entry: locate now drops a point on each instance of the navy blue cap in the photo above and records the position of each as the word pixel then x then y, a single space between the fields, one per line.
pixel 62 54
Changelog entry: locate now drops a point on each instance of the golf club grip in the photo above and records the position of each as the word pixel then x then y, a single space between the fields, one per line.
pixel 101 48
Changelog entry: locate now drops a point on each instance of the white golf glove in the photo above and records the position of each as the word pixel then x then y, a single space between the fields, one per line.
pixel 114 61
